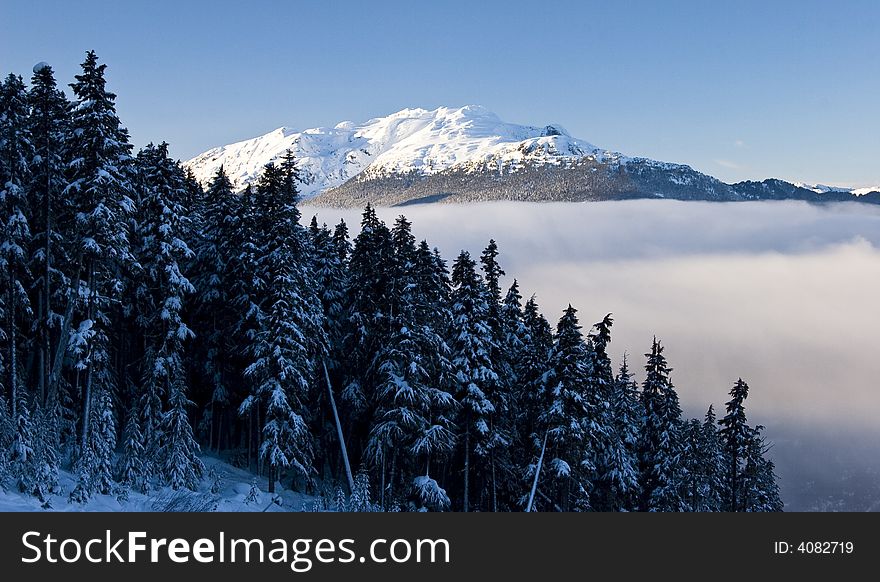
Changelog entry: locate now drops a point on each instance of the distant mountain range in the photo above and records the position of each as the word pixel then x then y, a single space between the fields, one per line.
pixel 468 154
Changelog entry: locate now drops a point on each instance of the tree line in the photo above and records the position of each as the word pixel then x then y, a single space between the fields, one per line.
pixel 148 320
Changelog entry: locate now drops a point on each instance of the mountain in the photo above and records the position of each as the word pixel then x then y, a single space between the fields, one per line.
pixel 469 154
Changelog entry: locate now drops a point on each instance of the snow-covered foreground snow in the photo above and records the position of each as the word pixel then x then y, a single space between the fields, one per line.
pixel 234 495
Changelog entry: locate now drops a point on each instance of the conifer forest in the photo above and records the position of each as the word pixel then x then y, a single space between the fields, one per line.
pixel 150 321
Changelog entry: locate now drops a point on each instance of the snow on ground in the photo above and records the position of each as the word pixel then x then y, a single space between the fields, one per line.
pixel 232 496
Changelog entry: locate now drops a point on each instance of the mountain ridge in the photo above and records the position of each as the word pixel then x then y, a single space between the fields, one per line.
pixel 468 154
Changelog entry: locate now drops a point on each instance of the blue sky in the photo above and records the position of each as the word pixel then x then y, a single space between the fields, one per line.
pixel 738 90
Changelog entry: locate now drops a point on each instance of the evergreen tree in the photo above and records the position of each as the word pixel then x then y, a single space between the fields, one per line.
pixel 616 468
pixel 711 491
pixel 100 187
pixel 660 448
pixel 492 273
pixel 21 453
pixel 329 256
pixel 411 423
pixel 627 425
pixel 182 467
pixel 571 434
pixel 367 324
pixel 288 333
pixel 51 216
pixel 161 297
pixel 514 330
pixel 750 478
pixel 216 273
pixel 531 397
pixel 736 435
pixel 760 491
pixel 94 466
pixel 476 380
pixel 134 472
pixel 16 153
pixel 46 457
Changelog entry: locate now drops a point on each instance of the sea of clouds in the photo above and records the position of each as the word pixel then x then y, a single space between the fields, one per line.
pixel 782 294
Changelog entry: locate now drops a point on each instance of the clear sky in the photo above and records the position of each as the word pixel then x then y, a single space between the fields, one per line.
pixel 739 90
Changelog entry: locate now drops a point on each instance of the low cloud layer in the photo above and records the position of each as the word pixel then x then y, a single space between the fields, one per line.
pixel 782 294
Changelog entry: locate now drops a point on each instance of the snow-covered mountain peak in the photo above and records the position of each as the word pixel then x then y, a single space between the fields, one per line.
pixel 825 189
pixel 411 140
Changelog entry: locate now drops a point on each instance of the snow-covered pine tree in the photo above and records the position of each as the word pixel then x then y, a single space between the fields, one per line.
pixel 739 449
pixel 94 466
pixel 627 414
pixel 134 472
pixel 16 153
pixel 511 339
pixel 660 447
pixel 492 272
pixel 366 324
pixel 22 456
pixel 162 222
pixel 434 316
pixel 329 257
pixel 692 466
pixel 341 242
pixel 736 435
pixel 531 396
pixel 617 474
pixel 216 272
pixel 502 423
pixel 712 491
pixel 181 465
pixel 404 436
pixel 571 439
pixel 100 187
pixel 760 491
pixel 51 219
pixel 472 345
pixel 46 444
pixel 288 334
pixel 328 253
pixel 514 331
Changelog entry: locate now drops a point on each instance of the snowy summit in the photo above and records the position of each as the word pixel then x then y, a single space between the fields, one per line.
pixel 468 154
pixel 411 140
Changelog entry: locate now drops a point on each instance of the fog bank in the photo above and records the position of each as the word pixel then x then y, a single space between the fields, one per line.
pixel 782 294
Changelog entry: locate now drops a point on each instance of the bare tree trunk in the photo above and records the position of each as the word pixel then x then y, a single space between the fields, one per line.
pixel 339 430
pixel 537 474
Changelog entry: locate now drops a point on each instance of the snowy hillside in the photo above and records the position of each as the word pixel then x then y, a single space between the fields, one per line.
pixel 223 488
pixel 411 140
